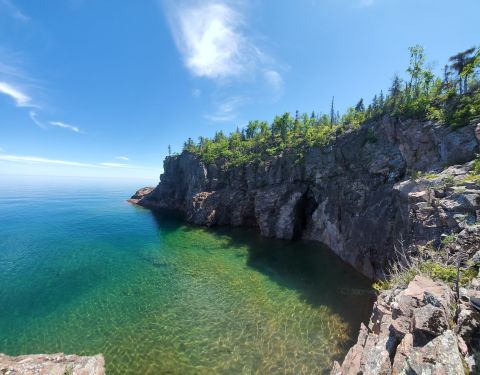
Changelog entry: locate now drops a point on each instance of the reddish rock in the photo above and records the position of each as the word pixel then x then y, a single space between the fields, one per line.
pixel 52 364
pixel 140 194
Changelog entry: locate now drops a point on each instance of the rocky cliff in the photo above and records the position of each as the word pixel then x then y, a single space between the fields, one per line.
pixel 356 195
pixel 415 331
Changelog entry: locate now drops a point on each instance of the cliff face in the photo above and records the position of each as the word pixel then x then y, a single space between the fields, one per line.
pixel 353 195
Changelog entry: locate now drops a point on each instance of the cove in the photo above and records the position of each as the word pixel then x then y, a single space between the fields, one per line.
pixel 82 271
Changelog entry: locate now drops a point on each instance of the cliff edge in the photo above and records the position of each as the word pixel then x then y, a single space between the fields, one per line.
pixel 360 195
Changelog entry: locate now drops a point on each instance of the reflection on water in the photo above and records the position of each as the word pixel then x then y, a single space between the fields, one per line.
pixel 83 272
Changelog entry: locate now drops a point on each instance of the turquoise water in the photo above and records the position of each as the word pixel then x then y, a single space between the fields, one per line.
pixel 82 271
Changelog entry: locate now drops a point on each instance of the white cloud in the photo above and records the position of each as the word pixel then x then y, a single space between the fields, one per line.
pixel 227 109
pixel 213 40
pixel 275 80
pixel 42 160
pixel 216 42
pixel 21 99
pixel 209 36
pixel 65 126
pixel 34 117
pixel 36 159
pixel 122 158
pixel 115 165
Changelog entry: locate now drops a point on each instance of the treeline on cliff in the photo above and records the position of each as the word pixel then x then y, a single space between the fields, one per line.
pixel 452 99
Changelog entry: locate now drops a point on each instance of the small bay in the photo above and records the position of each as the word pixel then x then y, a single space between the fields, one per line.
pixel 82 271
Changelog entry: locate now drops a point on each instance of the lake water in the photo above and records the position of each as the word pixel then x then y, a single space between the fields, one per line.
pixel 82 271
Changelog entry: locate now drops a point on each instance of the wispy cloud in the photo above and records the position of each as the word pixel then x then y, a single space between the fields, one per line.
pixel 65 126
pixel 122 158
pixel 36 120
pixel 21 99
pixel 20 91
pixel 42 160
pixel 13 10
pixel 275 80
pixel 115 165
pixel 217 42
pixel 227 109
pixel 34 117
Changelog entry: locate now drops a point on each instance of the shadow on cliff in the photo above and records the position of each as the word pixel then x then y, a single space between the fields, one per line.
pixel 311 269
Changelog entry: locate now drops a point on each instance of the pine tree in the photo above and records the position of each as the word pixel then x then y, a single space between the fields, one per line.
pixel 332 112
pixel 189 145
pixel 360 107
pixel 381 100
pixel 461 63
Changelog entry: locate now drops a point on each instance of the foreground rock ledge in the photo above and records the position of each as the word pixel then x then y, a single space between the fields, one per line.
pixel 412 331
pixel 52 364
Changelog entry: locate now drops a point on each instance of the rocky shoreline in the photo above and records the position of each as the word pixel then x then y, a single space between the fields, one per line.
pixel 360 196
pixel 52 364
pixel 415 331
pixel 392 183
pixel 425 327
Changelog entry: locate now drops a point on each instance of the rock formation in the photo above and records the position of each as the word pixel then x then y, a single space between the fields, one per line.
pixel 355 195
pixel 52 364
pixel 413 331
pixel 390 184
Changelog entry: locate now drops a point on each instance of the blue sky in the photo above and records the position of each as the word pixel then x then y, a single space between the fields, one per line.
pixel 101 88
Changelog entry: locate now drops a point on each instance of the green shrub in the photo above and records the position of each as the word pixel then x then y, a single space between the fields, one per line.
pixel 429 262
pixel 476 167
pixel 446 240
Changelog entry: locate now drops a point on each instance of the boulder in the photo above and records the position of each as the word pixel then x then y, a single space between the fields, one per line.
pixel 439 356
pixel 409 333
pixel 429 321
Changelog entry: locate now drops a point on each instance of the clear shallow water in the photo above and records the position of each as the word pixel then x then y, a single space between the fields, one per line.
pixel 82 271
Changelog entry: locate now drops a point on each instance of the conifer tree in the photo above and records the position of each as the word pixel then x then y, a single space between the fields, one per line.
pixel 360 107
pixel 332 112
pixel 463 63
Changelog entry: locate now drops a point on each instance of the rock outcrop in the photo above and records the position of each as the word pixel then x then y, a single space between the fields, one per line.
pixel 52 364
pixel 140 194
pixel 413 331
pixel 354 195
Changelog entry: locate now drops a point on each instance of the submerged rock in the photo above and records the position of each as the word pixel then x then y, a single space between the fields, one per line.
pixel 52 364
